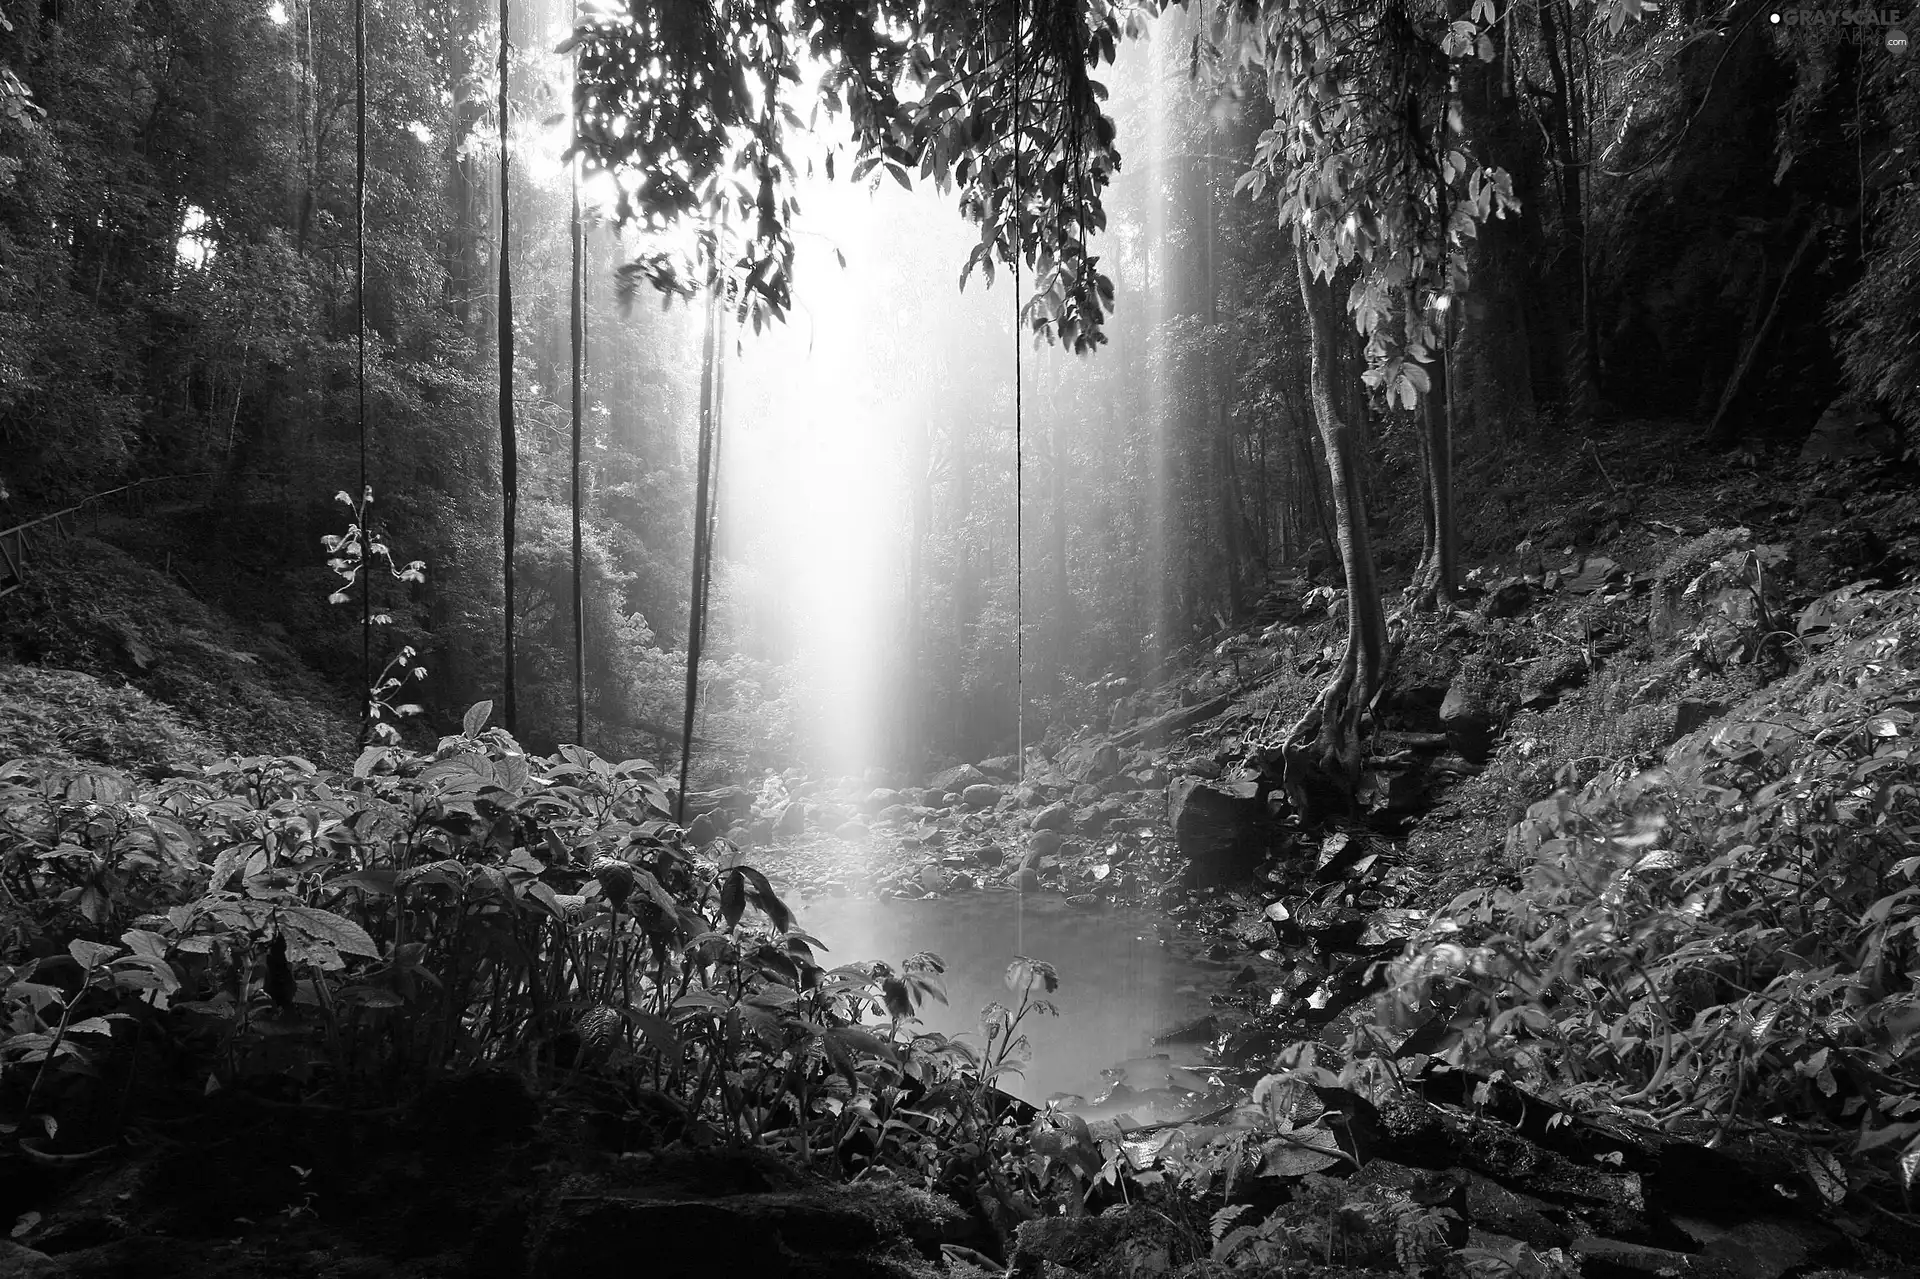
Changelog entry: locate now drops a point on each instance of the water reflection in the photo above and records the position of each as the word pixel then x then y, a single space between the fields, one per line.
pixel 1118 985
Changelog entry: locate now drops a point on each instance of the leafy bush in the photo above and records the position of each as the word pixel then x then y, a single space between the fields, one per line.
pixel 1731 935
pixel 265 921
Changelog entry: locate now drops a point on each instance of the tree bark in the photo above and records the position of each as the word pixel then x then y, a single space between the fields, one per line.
pixel 1321 754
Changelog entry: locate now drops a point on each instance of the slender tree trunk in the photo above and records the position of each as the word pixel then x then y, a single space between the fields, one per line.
pixel 1321 755
pixel 509 445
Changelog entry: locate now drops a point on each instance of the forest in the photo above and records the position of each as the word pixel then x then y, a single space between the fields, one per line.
pixel 1044 638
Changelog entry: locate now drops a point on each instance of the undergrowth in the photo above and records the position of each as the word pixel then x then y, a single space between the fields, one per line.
pixel 1729 936
pixel 342 937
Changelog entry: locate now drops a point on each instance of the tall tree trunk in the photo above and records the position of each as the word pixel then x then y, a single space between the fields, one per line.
pixel 509 445
pixel 1321 754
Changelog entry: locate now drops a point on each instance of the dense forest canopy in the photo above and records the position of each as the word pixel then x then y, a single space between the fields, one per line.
pixel 1525 212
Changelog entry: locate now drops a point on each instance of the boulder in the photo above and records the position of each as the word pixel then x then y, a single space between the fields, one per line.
pixel 1029 797
pixel 1222 828
pixel 1509 599
pixel 1001 767
pixel 958 778
pixel 1469 721
pixel 1091 820
pixel 1055 817
pixel 1097 763
pixel 980 795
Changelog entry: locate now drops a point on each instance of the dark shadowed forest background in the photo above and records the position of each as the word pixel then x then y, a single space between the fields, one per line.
pixel 581 583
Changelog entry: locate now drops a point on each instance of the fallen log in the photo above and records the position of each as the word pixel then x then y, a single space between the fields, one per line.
pixel 1156 731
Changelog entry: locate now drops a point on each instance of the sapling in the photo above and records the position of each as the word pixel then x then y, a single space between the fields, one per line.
pixel 350 553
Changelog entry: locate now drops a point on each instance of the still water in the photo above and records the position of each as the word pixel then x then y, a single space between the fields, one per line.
pixel 1119 986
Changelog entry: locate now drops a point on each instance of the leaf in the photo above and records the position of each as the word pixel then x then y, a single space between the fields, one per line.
pixel 1298 1153
pixel 476 718
pixel 91 954
pixel 733 897
pixel 1828 1174
pixel 323 925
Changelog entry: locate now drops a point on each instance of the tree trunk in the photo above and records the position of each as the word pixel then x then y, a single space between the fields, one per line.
pixel 509 447
pixel 1321 754
pixel 1437 576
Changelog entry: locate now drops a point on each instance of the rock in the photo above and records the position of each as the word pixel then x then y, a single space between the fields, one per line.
pixel 790 820
pixel 980 795
pixel 879 798
pixel 1849 428
pixel 1591 574
pixel 733 803
pixel 894 813
pixel 1617 1257
pixel 1001 767
pixel 1029 797
pixel 853 832
pixel 1509 599
pixel 1096 763
pixel 1055 817
pixel 1085 793
pixel 1045 843
pixel 1468 721
pixel 1222 828
pixel 958 778
pixel 1091 820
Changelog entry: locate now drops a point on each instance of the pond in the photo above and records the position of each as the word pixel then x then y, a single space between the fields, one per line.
pixel 1121 983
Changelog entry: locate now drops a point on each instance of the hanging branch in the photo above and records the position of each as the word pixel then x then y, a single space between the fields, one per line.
pixel 360 333
pixel 1019 475
pixel 509 449
pixel 578 338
